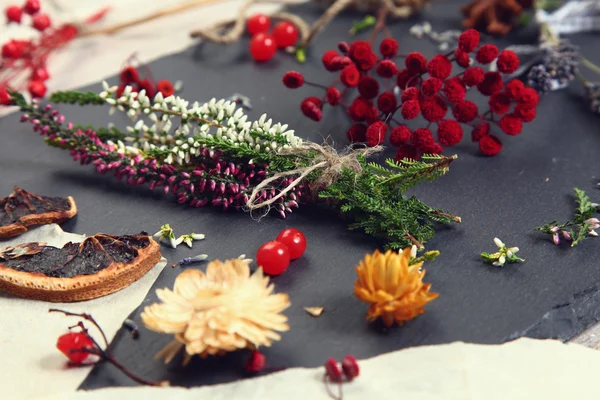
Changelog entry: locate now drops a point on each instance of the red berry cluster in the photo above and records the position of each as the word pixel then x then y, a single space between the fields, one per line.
pixel 423 88
pixel 130 76
pixel 264 45
pixel 28 56
pixel 274 257
pixel 349 369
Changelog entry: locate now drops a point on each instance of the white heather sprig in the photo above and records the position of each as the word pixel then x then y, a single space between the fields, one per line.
pixel 196 125
pixel 187 239
pixel 166 234
pixel 503 255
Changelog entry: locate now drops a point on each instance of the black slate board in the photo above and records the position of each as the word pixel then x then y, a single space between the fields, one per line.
pixel 529 183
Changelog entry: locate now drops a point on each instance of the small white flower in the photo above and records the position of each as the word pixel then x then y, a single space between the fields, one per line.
pixel 197 236
pixel 105 86
pixel 498 243
pixel 592 233
pixel 413 251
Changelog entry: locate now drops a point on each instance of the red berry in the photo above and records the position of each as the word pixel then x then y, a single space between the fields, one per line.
pixel 386 69
pixel 258 23
pixel 360 51
pixel 13 14
pixel 372 115
pixel 473 76
pixel 146 85
pixel 431 86
pixel 376 133
pixel 422 138
pixel 344 47
pixel 492 83
pixel 450 132
pixel 410 109
pixel 468 40
pixel 333 370
pixel 490 145
pixel 406 79
pixel 514 88
pixel 350 367
pixel 256 362
pixel 432 148
pixel 411 93
pixel 5 99
pixel 465 111
pixel 262 47
pixel 500 103
pixel 71 344
pixel 357 133
pixel 358 109
pixel 368 87
pixel 400 135
pixel 511 124
pixel 339 62
pixel 439 67
pixel 386 102
pixel 37 89
pixel 293 79
pixel 529 97
pixel 40 74
pixel 388 47
pixel 31 7
pixel 41 22
pixel 120 90
pixel 11 50
pixel 294 240
pixel 462 58
pixel 311 108
pixel 129 75
pixel 327 58
pixel 508 62
pixel 527 114
pixel 486 54
pixel 455 90
pixel 350 76
pixel 416 63
pixel 165 87
pixel 273 257
pixel 285 34
pixel 434 108
pixel 333 96
pixel 479 131
pixel 406 151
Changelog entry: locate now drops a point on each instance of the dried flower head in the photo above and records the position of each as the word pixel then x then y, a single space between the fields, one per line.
pixel 392 286
pixel 222 310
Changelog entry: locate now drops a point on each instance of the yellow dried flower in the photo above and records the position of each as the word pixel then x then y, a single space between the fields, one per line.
pixel 394 288
pixel 222 310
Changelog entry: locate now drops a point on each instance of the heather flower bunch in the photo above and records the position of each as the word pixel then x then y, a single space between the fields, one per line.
pixel 390 94
pixel 212 155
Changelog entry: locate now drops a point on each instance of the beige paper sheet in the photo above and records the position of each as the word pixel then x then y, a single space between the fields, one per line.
pixel 31 365
pixel 525 369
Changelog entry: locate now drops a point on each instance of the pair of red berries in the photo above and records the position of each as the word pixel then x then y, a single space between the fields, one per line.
pixel 39 21
pixel 130 76
pixel 349 369
pixel 274 257
pixel 264 45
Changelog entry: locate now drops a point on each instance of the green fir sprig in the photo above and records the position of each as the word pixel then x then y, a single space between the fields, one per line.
pixel 582 226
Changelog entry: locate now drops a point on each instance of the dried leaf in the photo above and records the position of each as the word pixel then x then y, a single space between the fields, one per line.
pixel 314 311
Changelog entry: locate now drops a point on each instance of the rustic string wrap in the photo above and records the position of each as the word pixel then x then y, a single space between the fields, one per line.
pixel 327 160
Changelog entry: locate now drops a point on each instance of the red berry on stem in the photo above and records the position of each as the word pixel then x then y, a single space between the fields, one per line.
pixel 350 76
pixel 4 96
pixel 412 93
pixel 462 58
pixel 416 63
pixel 31 7
pixel 434 108
pixel 492 83
pixel 350 367
pixel 129 75
pixel 410 109
pixel 372 115
pixel 360 51
pixel 514 88
pixel 262 47
pixel 455 90
pixel 311 108
pixel 294 240
pixel 333 370
pixel 37 89
pixel 511 124
pixel 400 135
pixel 13 14
pixel 71 344
pixel 439 67
pixel 273 257
pixel 146 85
pixel 41 22
pixel 422 138
pixel 500 102
pixel 386 69
pixel 368 87
pixel 357 133
pixel 473 76
pixel 358 109
pixel 406 79
pixel 480 130
pixel 386 102
pixel 327 58
pixel 165 87
pixel 486 54
pixel 333 96
pixel 285 34
pixel 406 151
pixel 376 134
pixel 450 132
pixel 527 114
pixel 490 145
pixel 258 23
pixel 508 62
pixel 529 97
pixel 465 111
pixel 256 362
pixel 389 47
pixel 431 86
pixel 40 74
pixel 11 49
pixel 468 40
pixel 293 79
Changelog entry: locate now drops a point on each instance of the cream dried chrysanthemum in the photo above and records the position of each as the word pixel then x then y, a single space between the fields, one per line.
pixel 222 310
pixel 394 288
